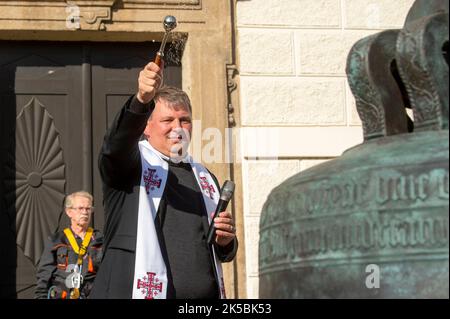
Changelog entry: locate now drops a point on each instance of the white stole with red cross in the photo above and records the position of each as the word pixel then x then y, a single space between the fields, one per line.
pixel 150 273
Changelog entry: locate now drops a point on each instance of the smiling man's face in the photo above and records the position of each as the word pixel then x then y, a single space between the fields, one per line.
pixel 169 128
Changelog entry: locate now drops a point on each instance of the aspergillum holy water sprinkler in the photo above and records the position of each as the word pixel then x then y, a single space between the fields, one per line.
pixel 169 23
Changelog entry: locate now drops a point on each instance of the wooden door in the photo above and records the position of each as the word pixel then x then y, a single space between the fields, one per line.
pixel 56 100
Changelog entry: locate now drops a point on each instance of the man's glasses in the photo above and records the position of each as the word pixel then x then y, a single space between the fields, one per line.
pixel 80 209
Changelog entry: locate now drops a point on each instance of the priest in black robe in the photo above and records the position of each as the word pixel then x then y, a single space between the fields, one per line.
pixel 163 116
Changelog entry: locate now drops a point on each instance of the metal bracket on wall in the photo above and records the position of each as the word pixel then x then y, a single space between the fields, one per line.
pixel 231 86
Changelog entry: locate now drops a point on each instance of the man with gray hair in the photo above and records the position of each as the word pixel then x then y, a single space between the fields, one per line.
pixel 71 257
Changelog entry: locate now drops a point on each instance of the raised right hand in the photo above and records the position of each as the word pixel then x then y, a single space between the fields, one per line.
pixel 150 79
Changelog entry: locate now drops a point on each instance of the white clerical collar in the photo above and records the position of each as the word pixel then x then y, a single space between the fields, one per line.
pixel 185 158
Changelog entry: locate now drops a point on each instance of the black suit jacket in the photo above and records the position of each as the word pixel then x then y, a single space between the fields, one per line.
pixel 120 169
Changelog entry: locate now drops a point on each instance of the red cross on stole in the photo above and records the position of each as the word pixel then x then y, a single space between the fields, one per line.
pixel 151 180
pixel 150 285
pixel 209 189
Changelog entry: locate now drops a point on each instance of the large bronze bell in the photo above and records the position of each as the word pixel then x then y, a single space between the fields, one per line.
pixel 373 223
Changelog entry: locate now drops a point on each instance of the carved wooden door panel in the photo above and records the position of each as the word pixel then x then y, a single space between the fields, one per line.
pixel 56 100
pixel 41 136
